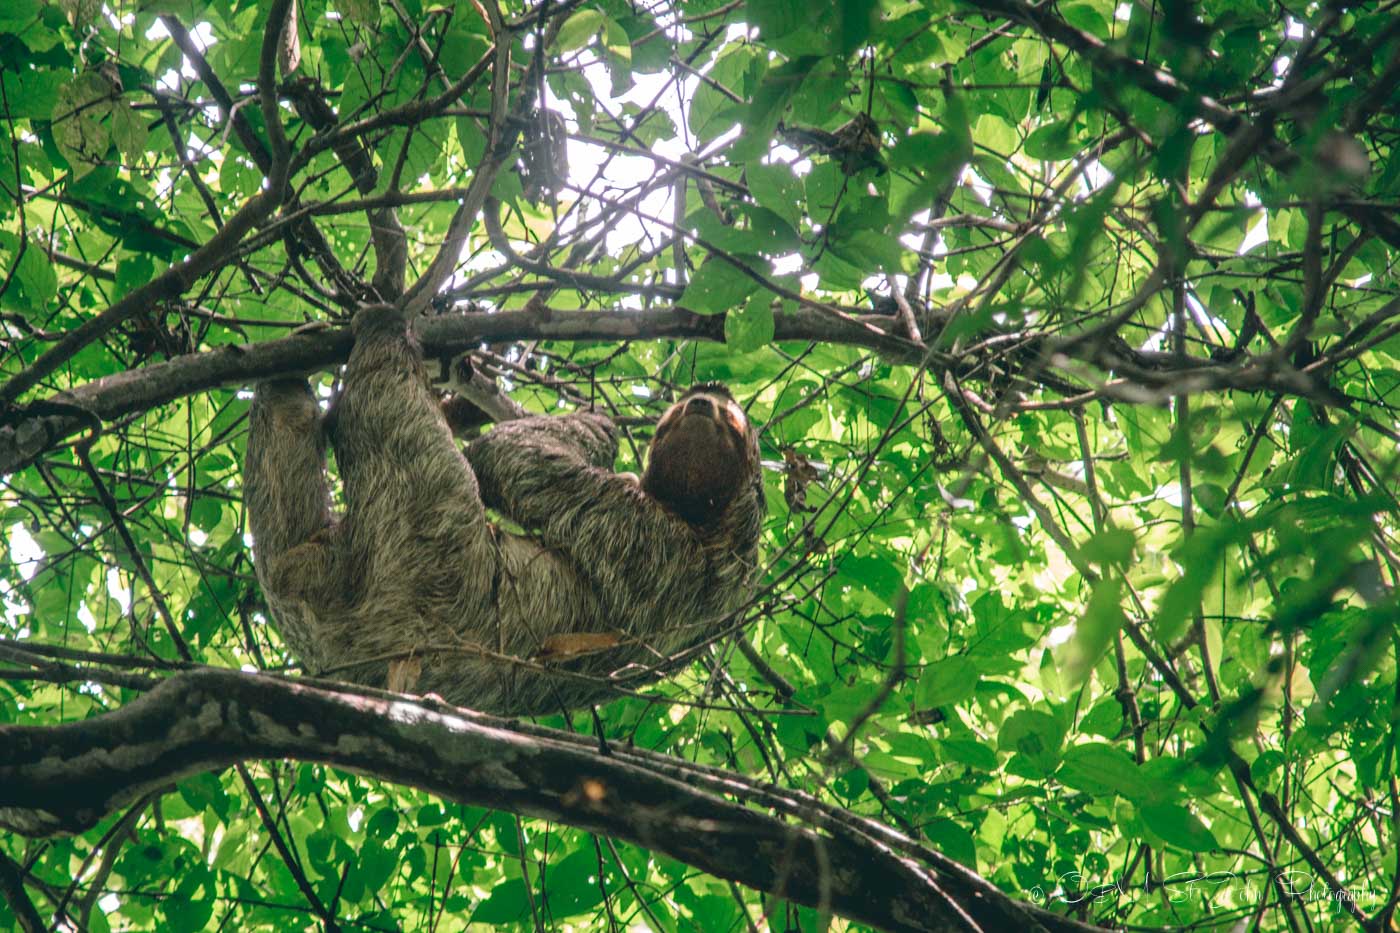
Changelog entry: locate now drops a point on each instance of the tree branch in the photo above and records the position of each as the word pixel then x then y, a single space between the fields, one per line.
pixel 46 423
pixel 66 778
pixel 12 889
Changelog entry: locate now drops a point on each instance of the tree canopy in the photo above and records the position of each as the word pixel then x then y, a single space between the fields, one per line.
pixel 1073 333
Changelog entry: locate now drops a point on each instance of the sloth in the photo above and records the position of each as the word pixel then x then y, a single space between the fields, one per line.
pixel 414 588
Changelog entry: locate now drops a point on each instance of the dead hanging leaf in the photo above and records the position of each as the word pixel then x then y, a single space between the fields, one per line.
pixel 80 112
pixel 856 144
pixel 403 674
pixel 576 644
pixel 544 157
pixel 800 472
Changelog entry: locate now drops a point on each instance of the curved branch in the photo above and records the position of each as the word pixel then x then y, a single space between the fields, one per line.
pixel 66 778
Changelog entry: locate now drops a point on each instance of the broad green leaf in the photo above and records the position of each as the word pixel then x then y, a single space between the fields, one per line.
pixel 1100 769
pixel 946 683
pixel 716 287
pixel 507 903
pixel 1179 827
pixel 1094 632
pixel 1035 738
pixel 580 29
pixel 750 325
pixel 972 754
pixel 776 188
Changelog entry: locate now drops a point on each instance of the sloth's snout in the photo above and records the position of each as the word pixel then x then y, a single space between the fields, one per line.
pixel 700 405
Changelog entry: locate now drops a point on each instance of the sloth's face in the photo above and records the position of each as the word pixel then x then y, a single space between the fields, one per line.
pixel 702 454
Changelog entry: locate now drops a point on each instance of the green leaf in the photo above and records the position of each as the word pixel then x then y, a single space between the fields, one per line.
pixel 1110 547
pixel 946 683
pixel 1103 619
pixel 30 94
pixel 1179 827
pixel 79 120
pixel 1052 143
pixel 19 14
pixel 750 326
pixel 509 902
pixel 580 29
pixel 377 864
pixel 717 287
pixel 776 188
pixel 129 132
pixel 1199 558
pixel 1100 769
pixel 776 18
pixel 1105 719
pixel 35 284
pixel 970 753
pixel 1088 17
pixel 713 109
pixel 1035 738
pixel 952 840
pixel 572 884
pixel 190 905
pixel 934 159
pixel 617 44
pixel 382 824
pixel 769 101
pixel 133 272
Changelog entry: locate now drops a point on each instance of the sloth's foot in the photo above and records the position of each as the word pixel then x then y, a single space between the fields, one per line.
pixel 377 317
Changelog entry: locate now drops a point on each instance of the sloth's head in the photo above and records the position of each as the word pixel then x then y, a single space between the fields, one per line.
pixel 703 454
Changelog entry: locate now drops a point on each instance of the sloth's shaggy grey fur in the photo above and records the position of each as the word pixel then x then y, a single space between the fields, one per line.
pixel 414 587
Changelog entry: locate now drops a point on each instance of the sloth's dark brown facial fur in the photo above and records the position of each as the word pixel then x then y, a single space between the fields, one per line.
pixel 703 454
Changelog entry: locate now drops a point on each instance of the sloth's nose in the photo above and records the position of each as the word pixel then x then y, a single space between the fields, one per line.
pixel 700 405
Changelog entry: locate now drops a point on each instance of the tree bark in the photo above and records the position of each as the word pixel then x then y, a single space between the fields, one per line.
pixel 66 778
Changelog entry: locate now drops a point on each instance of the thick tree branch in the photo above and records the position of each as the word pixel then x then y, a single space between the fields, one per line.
pixel 67 778
pixel 447 336
pixel 47 423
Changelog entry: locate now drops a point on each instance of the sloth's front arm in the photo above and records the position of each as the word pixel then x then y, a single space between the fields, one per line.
pixel 553 476
pixel 532 469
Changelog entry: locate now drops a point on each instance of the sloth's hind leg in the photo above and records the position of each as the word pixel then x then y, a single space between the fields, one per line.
pixel 415 529
pixel 285 473
pixel 289 509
